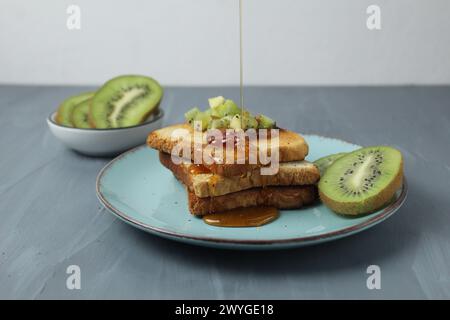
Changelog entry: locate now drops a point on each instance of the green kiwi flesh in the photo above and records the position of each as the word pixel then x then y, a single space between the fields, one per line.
pixel 124 101
pixel 362 181
pixel 323 163
pixel 225 114
pixel 64 113
pixel 80 115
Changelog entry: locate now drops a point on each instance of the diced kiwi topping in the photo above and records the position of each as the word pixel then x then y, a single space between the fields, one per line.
pixel 203 119
pixel 225 114
pixel 190 115
pixel 236 122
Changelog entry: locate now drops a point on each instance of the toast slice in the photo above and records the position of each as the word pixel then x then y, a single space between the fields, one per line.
pixel 280 197
pixel 204 184
pixel 292 147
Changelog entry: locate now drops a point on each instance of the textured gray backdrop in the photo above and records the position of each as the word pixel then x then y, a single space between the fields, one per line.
pixel 51 218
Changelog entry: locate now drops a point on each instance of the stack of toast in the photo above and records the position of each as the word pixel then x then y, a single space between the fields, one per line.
pixel 220 186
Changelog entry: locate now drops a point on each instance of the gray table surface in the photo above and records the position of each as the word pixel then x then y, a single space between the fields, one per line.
pixel 51 218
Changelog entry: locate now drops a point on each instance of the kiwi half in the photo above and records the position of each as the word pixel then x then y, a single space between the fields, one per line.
pixel 124 101
pixel 323 163
pixel 362 181
pixel 64 113
pixel 80 115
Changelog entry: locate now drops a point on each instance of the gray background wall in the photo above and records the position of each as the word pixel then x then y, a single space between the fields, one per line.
pixel 195 42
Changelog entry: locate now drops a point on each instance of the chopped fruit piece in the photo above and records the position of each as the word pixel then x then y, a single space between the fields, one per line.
pixel 265 122
pixel 226 121
pixel 216 113
pixel 227 109
pixel 208 112
pixel 230 108
pixel 217 101
pixel 249 122
pixel 218 124
pixel 190 115
pixel 236 122
pixel 225 114
pixel 203 119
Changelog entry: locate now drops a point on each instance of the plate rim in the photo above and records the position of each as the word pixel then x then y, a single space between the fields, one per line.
pixel 382 215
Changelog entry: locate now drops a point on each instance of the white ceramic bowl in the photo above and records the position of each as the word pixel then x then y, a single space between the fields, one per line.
pixel 104 142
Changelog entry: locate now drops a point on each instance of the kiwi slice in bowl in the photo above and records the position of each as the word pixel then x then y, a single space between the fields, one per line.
pixel 323 163
pixel 80 115
pixel 124 101
pixel 64 112
pixel 362 181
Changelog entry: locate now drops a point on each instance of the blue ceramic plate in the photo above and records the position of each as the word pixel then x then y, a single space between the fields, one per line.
pixel 139 190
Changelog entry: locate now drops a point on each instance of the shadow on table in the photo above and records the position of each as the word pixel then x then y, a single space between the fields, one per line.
pixel 388 240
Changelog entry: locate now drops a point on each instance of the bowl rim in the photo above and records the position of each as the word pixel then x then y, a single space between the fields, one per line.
pixel 157 117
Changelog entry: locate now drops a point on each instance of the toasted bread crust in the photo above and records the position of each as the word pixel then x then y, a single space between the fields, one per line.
pixel 231 170
pixel 280 197
pixel 292 147
pixel 206 184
